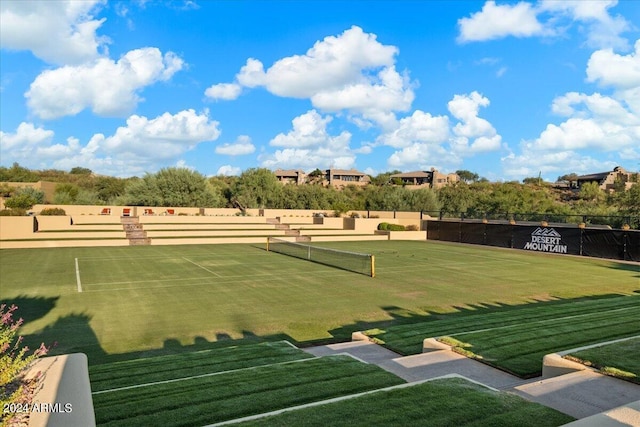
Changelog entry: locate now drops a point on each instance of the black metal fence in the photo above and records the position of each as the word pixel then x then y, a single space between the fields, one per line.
pixel 600 243
pixel 614 221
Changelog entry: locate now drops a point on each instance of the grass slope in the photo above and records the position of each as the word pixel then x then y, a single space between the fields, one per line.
pixel 444 402
pixel 237 394
pixel 619 359
pixel 162 297
pixel 163 368
pixel 516 338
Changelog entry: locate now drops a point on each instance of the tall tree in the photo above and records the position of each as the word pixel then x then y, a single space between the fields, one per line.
pixel 257 188
pixel 172 187
pixel 467 176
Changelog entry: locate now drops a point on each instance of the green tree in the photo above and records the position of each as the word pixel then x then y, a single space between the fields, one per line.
pixel 258 188
pixel 65 194
pixel 591 191
pixel 80 171
pixel 423 199
pixel 109 188
pixel 456 198
pixel 467 176
pixel 25 198
pixel 17 173
pixel 172 187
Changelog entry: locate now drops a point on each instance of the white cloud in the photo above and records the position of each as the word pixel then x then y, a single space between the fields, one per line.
pixel 547 18
pixel 424 156
pixel 479 131
pixel 610 69
pixel 420 127
pixel 309 145
pixel 352 71
pixel 228 170
pixel 552 164
pixel 602 29
pixel 109 88
pixel 142 145
pixel 59 32
pixel 495 22
pixel 425 141
pixel 225 91
pixel 26 135
pixel 240 147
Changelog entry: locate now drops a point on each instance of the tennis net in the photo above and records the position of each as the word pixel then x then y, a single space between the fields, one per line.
pixel 346 260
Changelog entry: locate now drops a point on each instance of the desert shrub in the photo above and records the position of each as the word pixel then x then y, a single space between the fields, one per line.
pixel 383 226
pixel 13 212
pixel 53 212
pixel 396 227
pixel 412 227
pixel 14 360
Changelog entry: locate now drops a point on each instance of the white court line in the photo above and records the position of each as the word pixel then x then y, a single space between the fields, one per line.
pixel 204 268
pixel 211 374
pixel 203 282
pixel 544 321
pixel 78 276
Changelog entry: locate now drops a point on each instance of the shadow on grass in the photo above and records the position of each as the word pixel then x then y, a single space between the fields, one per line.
pixel 73 333
pixel 628 266
pixel 31 308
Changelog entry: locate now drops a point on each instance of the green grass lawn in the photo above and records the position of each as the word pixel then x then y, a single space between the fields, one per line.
pixel 170 367
pixel 444 402
pixel 239 393
pixel 619 359
pixel 141 300
pixel 517 338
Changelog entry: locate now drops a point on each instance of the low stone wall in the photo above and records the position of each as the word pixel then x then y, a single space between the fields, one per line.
pixel 16 227
pixel 209 241
pixel 407 235
pixel 95 219
pixel 343 238
pixel 211 233
pixel 207 226
pixel 62 243
pixel 46 223
pixel 182 219
pixel 99 234
pixel 65 392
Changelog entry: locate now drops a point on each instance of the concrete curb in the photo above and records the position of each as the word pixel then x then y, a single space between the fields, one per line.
pixel 554 365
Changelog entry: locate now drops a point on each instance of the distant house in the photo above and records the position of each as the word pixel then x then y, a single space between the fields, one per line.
pixel 606 180
pixel 424 179
pixel 341 178
pixel 290 176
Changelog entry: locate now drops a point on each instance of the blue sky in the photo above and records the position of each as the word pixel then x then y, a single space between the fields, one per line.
pixel 505 89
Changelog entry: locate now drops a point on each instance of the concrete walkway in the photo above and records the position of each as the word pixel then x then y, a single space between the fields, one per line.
pixel 580 394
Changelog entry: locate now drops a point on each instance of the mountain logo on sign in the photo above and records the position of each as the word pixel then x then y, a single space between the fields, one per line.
pixel 547 232
pixel 546 240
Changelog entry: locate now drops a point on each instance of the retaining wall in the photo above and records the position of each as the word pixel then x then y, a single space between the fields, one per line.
pixel 16 227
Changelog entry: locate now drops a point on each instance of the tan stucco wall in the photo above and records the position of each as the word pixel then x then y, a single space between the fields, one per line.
pixel 46 223
pixel 105 234
pixel 366 225
pixel 16 227
pixel 274 213
pixel 209 241
pixel 208 226
pixel 407 235
pixel 346 238
pixel 212 233
pixel 62 243
pixel 175 219
pixel 96 219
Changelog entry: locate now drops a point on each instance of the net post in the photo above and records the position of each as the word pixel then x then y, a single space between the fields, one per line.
pixel 267 244
pixel 373 266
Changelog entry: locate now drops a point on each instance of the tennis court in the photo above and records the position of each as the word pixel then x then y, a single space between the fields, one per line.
pixel 142 298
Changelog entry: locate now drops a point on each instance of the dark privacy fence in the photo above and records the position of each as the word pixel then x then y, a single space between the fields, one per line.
pixel 613 244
